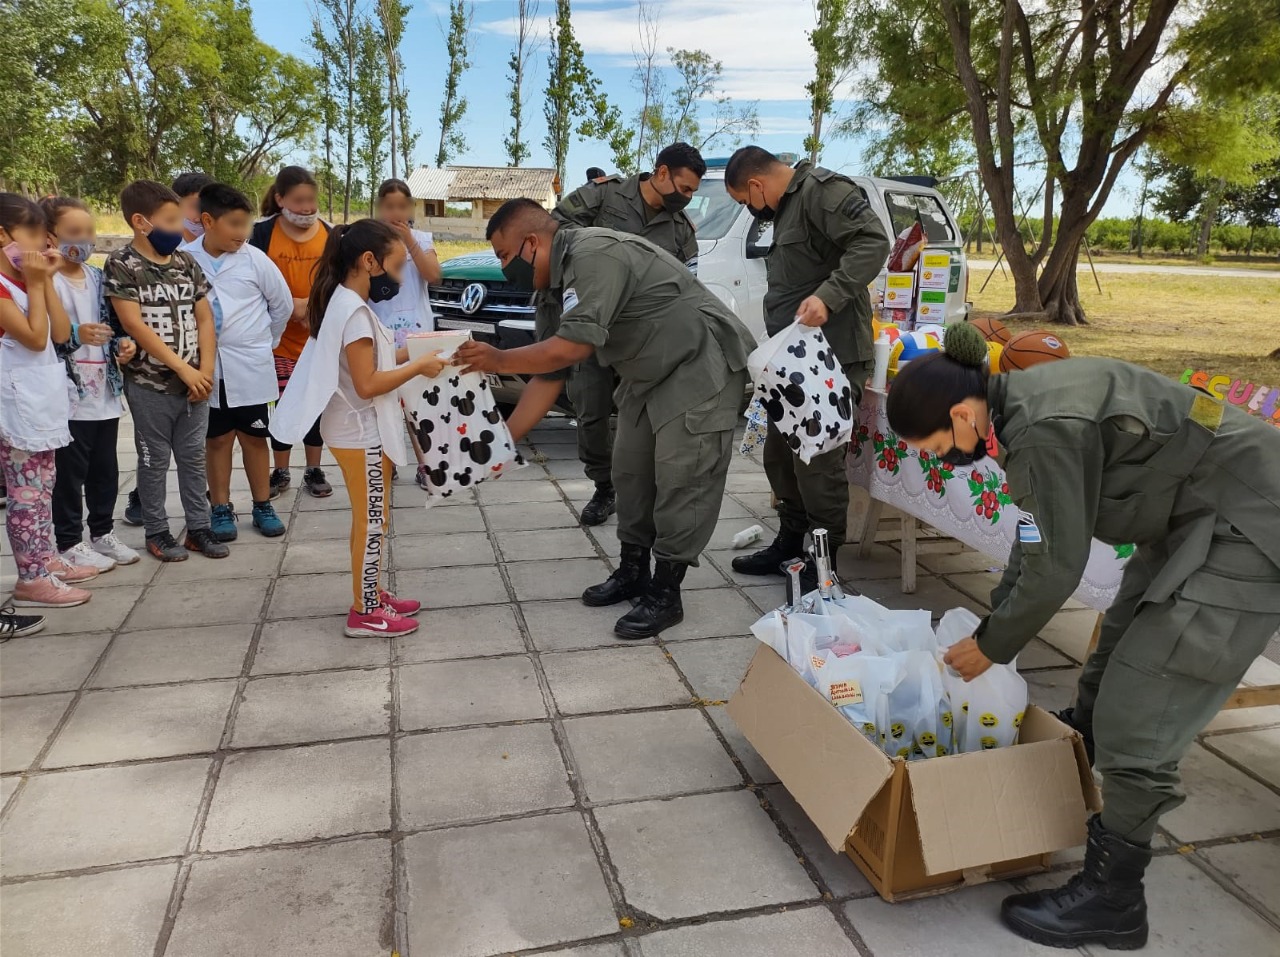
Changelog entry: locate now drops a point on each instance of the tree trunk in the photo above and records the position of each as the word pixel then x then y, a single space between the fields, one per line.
pixel 1061 295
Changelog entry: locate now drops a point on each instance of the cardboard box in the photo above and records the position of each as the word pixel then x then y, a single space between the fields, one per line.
pixel 899 290
pixel 918 828
pixel 932 307
pixel 935 270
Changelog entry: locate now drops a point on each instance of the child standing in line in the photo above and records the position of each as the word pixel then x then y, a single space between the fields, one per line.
pixel 35 405
pixel 251 307
pixel 88 473
pixel 348 374
pixel 158 296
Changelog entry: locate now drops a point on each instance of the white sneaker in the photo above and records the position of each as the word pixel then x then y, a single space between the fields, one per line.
pixel 116 550
pixel 81 555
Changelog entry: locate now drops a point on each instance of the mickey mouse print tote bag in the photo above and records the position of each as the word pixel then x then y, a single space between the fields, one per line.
pixel 804 392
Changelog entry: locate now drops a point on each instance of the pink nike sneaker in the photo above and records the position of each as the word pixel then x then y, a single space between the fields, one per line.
pixel 48 591
pixel 401 606
pixel 71 574
pixel 382 622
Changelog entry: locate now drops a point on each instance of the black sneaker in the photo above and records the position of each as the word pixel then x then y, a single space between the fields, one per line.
pixel 313 481
pixel 13 625
pixel 280 480
pixel 203 540
pixel 133 510
pixel 166 548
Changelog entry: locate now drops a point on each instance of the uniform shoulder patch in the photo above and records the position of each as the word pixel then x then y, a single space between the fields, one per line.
pixel 569 298
pixel 1028 530
pixel 856 205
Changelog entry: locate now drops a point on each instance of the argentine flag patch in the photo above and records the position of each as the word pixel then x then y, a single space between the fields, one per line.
pixel 1028 530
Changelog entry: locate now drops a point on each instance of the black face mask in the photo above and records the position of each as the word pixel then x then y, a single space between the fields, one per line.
pixel 519 272
pixel 958 458
pixel 383 287
pixel 674 201
pixel 765 213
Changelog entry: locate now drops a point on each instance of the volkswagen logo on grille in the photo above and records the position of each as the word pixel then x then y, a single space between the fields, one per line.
pixel 472 298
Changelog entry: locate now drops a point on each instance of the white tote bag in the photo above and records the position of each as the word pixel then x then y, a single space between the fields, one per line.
pixel 805 393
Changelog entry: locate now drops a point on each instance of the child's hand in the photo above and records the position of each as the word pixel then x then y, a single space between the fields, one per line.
pixel 126 350
pixel 38 266
pixel 94 333
pixel 198 384
pixel 430 365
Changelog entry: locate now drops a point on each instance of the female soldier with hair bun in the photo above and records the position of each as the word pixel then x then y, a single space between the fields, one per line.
pixel 1097 448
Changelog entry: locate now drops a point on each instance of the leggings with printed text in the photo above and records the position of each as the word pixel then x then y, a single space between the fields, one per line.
pixel 366 473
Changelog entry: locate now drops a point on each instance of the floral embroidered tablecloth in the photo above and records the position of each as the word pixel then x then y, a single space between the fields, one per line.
pixel 970 504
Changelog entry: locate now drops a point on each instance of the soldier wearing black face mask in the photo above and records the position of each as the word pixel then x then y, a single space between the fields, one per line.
pixel 650 205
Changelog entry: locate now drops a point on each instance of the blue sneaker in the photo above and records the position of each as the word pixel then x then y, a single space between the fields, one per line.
pixel 267 521
pixel 223 523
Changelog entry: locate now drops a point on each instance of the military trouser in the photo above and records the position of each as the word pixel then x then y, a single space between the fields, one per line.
pixel 590 388
pixel 670 478
pixel 1163 669
pixel 815 495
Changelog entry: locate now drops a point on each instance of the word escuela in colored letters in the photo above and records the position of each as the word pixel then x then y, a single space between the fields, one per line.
pixel 1260 400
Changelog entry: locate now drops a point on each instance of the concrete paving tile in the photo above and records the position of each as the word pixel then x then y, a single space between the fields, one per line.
pixel 137 574
pixel 310 596
pixel 102 816
pixel 919 928
pixel 289 709
pixel 332 901
pixel 442 551
pixel 1252 866
pixel 884 563
pixel 1259 751
pixel 481 691
pixel 502 493
pixel 949 562
pixel 26 724
pixel 561 468
pixel 753 481
pixel 1190 914
pixel 704 576
pixel 727 855
pixel 570 625
pixel 759 503
pixel 841 874
pixel 252 556
pixel 327 525
pixel 1243 718
pixel 1070 631
pixel 41 664
pixel 117 913
pixel 612 680
pixel 1221 801
pixel 136 723
pixel 977 585
pixel 454 587
pixel 7 787
pixel 1052 690
pixel 213 603
pixel 106 611
pixel 545 545
pixel 757 769
pixel 1037 654
pixel 529 515
pixel 172 654
pixel 590 950
pixel 310 558
pixel 812 931
pixel 714 667
pixel 461 633
pixel 314 644
pixel 437 521
pixel 732 510
pixel 300 794
pixel 502 887
pixel 717 613
pixel 625 757
pixel 565 578
pixel 458 776
pixel 931 593
pixel 767 597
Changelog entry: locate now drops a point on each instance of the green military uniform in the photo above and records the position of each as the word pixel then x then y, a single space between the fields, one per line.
pixel 614 204
pixel 827 242
pixel 681 357
pixel 1097 448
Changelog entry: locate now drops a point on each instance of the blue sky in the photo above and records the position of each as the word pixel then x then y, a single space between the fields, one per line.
pixel 763 45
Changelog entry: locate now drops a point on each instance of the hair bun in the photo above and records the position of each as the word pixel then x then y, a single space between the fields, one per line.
pixel 965 344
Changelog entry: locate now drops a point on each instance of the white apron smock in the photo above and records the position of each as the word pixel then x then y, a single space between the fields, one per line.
pixel 35 393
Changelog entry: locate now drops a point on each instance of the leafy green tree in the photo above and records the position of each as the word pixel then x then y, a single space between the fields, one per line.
pixel 335 36
pixel 832 65
pixel 372 105
pixel 454 105
pixel 391 16
pixel 515 142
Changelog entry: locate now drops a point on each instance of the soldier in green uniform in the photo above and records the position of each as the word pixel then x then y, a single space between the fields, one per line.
pixel 828 245
pixel 681 356
pixel 648 205
pixel 1097 448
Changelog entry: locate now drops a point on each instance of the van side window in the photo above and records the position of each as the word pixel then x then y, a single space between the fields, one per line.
pixel 905 208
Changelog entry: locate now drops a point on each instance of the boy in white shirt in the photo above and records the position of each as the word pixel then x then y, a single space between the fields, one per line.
pixel 251 306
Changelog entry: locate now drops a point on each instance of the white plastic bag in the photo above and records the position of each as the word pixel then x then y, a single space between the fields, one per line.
pixel 987 711
pixel 805 393
pixel 859 685
pixel 463 437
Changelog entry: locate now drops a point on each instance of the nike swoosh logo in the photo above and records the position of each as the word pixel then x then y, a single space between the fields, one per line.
pixel 376 625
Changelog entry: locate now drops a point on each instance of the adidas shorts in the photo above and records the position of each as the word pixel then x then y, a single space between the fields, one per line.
pixel 252 420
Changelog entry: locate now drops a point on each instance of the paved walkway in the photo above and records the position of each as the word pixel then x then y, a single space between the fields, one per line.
pixel 197 764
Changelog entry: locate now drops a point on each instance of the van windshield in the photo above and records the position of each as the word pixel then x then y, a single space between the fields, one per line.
pixel 712 210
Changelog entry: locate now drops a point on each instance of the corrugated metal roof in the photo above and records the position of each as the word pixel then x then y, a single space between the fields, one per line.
pixel 430 182
pixel 500 182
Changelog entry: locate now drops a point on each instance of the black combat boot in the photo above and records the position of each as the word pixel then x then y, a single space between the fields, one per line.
pixel 631 580
pixel 603 504
pixel 1103 904
pixel 1068 717
pixel 660 608
pixel 770 559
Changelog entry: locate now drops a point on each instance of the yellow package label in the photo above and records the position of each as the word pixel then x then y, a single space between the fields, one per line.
pixel 937 260
pixel 846 692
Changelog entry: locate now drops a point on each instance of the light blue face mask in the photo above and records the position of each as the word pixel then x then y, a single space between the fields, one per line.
pixel 77 252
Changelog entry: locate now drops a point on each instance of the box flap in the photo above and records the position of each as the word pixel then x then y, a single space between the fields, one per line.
pixel 1040 725
pixel 981 808
pixel 829 767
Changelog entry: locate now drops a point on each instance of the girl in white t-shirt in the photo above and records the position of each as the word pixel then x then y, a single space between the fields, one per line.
pixel 348 374
pixel 88 471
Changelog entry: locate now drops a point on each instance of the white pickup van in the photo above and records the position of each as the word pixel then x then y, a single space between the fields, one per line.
pixel 732 248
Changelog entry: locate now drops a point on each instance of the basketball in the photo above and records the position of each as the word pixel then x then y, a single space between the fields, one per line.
pixel 1032 348
pixel 993 330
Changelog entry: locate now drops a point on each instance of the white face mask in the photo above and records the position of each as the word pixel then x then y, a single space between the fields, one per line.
pixel 300 220
pixel 193 226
